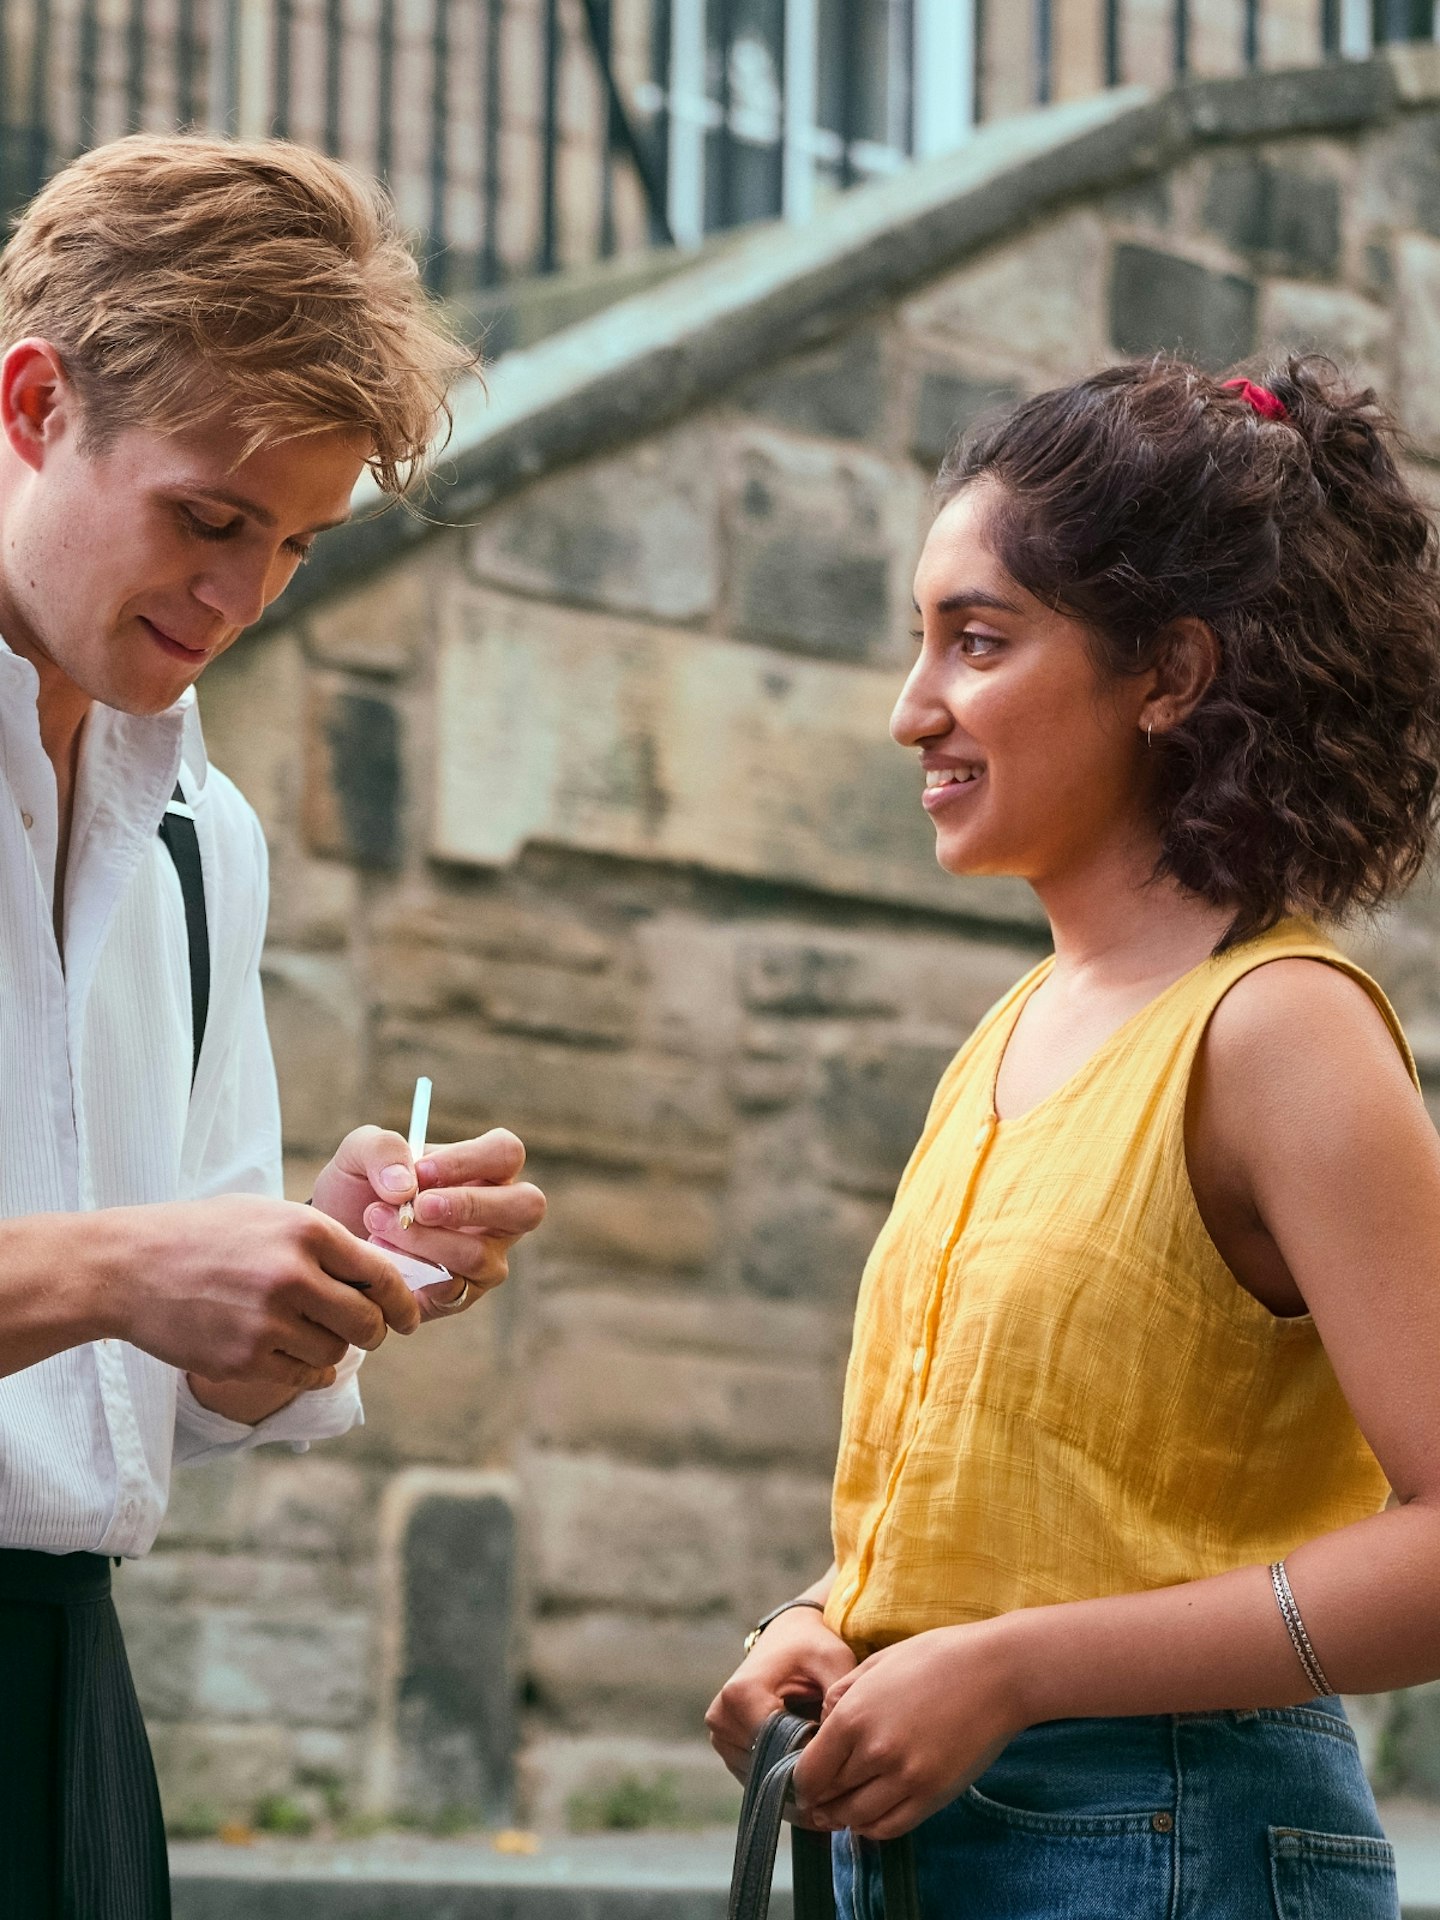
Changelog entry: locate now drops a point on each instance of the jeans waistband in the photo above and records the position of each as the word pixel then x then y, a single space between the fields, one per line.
pixel 53 1579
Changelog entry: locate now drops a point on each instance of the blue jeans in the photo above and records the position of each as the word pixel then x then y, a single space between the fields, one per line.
pixel 1210 1816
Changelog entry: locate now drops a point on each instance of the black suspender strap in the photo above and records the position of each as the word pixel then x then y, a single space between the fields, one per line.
pixel 182 843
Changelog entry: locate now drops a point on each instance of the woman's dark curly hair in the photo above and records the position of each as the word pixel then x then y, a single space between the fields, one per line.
pixel 1306 779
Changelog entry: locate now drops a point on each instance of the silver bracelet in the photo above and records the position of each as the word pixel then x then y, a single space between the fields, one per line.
pixel 1295 1627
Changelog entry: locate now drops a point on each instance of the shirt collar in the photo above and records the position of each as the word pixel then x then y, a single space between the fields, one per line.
pixel 148 735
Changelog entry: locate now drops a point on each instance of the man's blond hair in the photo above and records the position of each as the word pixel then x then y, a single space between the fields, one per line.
pixel 186 279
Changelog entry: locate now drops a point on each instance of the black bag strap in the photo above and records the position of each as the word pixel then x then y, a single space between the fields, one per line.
pixel 778 1747
pixel 182 843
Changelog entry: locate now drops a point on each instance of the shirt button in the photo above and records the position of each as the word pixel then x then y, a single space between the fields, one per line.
pixel 917 1365
pixel 29 820
pixel 983 1135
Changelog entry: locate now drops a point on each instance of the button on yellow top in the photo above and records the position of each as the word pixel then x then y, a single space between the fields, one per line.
pixel 1105 1408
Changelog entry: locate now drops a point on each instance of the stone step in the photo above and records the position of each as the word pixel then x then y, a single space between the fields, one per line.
pixel 678 1876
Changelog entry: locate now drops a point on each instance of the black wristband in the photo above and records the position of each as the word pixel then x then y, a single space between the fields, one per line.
pixel 774 1614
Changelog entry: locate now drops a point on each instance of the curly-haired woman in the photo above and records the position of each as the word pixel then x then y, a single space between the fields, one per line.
pixel 1151 1333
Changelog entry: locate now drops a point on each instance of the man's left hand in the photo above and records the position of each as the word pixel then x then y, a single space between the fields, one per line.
pixel 471 1205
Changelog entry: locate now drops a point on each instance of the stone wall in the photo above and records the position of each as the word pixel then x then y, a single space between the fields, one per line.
pixel 585 807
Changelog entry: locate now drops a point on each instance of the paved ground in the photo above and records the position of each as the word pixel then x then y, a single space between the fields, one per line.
pixel 609 1877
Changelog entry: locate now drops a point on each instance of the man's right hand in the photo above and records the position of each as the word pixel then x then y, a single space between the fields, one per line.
pixel 244 1288
pixel 796 1657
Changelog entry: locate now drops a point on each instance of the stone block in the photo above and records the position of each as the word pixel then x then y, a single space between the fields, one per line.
pixel 315 1016
pixel 947 404
pixel 564 1778
pixel 1399 176
pixel 291 1670
pixel 836 392
pixel 805 977
pixel 622 1109
pixel 384 628
pixel 1160 302
pixel 354 784
pixel 806 1244
pixel 442 1395
pixel 218 1769
pixel 872 1108
pixel 414 970
pixel 813 545
pixel 314 904
pixel 252 704
pixel 638 1673
pixel 1287 219
pixel 310 1505
pixel 1034 304
pixel 685 750
pixel 674 1382
pixel 785 1540
pixel 166 1659
pixel 1408 1751
pixel 204 1503
pixel 455 1704
pixel 644 1223
pixel 1417 338
pixel 636 533
pixel 1354 332
pixel 606 1533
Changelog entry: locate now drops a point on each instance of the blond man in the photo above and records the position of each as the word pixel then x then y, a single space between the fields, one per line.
pixel 204 345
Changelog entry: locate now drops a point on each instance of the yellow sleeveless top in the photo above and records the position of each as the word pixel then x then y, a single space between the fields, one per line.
pixel 1057 1389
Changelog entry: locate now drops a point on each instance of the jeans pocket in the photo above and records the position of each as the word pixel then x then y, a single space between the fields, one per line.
pixel 1064 1825
pixel 1332 1876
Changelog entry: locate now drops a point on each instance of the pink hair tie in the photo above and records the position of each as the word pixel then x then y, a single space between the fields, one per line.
pixel 1268 405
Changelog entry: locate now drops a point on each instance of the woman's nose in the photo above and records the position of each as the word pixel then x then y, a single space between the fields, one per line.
pixel 919 713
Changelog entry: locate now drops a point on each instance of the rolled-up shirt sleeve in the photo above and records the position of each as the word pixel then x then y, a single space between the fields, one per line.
pixel 242 1154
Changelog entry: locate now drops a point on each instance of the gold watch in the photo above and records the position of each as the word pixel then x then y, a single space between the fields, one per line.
pixel 774 1614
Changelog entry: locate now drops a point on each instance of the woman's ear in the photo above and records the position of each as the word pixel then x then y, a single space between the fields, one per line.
pixel 1189 659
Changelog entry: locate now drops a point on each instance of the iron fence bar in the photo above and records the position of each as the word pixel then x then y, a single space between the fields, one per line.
pixel 851 61
pixel 439 145
pixel 1330 28
pixel 226 91
pixel 185 52
pixel 87 60
pixel 1044 52
pixel 385 92
pixel 1182 39
pixel 334 62
pixel 978 52
pixel 282 51
pixel 549 120
pixel 1113 62
pixel 622 129
pixel 1251 47
pixel 725 141
pixel 490 162
pixel 597 13
pixel 658 203
pixel 38 144
pixel 135 66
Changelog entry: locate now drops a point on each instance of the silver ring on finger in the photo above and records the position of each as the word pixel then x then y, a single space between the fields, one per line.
pixel 461 1300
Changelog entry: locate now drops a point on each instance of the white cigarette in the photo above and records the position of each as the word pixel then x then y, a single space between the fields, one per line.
pixel 419 1121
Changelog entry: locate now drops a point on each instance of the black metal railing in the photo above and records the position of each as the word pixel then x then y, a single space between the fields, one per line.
pixel 524 136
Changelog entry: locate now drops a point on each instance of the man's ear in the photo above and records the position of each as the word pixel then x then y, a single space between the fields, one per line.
pixel 37 402
pixel 1185 672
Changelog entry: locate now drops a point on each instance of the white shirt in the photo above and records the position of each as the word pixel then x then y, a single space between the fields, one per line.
pixel 95 1063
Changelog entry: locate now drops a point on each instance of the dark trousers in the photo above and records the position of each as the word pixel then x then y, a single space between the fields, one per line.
pixel 81 1836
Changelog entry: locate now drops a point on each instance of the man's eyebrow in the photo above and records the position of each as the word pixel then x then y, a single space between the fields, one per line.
pixel 256 512
pixel 971 597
